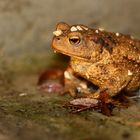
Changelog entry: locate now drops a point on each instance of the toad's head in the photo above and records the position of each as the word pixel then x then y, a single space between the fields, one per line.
pixel 74 41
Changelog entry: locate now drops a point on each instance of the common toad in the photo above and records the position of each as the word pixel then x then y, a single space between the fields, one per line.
pixel 110 61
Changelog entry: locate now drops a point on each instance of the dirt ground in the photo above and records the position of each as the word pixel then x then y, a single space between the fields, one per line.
pixel 26 28
pixel 27 113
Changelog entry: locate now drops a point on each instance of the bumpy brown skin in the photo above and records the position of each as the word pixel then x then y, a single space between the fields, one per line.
pixel 109 60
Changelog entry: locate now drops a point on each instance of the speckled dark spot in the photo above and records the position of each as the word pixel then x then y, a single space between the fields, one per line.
pixel 92 87
pixel 99 40
pixel 108 47
pixel 103 43
pixel 112 39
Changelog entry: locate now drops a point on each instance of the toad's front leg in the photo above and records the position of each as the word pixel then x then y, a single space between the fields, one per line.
pixel 74 84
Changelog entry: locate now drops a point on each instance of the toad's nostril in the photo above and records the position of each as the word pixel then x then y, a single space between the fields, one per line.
pixel 58 38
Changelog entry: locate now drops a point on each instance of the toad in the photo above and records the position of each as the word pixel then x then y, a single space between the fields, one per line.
pixel 110 61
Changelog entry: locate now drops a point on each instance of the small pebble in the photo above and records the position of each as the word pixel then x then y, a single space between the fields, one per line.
pixel 130 73
pixel 73 29
pixel 97 31
pixel 23 94
pixel 57 32
pixel 117 34
pixel 79 28
pixel 101 29
pixel 67 75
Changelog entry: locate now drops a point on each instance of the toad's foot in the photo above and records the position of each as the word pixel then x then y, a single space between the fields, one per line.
pixel 101 102
pixel 82 104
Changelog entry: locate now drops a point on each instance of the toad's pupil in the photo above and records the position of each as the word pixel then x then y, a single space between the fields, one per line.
pixel 74 41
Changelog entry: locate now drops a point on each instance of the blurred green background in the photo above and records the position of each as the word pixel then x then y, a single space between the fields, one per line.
pixel 26 26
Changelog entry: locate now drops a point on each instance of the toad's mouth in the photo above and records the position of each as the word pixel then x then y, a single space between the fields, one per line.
pixel 84 58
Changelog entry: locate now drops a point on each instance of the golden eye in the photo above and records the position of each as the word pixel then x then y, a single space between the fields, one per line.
pixel 75 40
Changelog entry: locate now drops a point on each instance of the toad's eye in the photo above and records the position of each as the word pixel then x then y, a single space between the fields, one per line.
pixel 75 40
